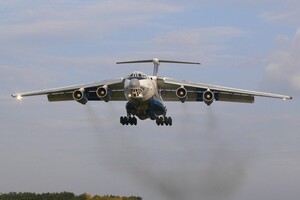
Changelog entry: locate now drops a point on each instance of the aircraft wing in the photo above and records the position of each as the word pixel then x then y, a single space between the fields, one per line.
pixel 115 88
pixel 195 91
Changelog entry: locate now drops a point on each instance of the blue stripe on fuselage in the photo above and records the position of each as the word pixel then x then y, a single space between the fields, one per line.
pixel 147 109
pixel 157 107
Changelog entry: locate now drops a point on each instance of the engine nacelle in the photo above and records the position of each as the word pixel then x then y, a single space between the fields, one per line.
pixel 79 96
pixel 103 93
pixel 208 97
pixel 181 93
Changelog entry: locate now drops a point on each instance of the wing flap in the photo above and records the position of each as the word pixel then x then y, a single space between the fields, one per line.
pixel 235 98
pixel 60 97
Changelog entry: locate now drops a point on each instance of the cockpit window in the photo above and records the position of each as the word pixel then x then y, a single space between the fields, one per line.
pixel 138 75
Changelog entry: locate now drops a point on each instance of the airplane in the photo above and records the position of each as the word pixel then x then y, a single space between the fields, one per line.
pixel 145 95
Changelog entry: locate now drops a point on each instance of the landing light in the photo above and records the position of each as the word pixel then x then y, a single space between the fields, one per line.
pixel 19 97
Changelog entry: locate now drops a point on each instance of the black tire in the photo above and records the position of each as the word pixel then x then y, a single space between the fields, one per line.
pixel 122 120
pixel 161 121
pixel 170 121
pixel 157 121
pixel 134 121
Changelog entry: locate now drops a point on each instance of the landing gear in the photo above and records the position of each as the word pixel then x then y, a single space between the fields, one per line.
pixel 128 120
pixel 160 121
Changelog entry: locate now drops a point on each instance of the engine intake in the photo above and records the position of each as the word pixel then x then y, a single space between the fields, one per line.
pixel 79 96
pixel 103 93
pixel 208 97
pixel 181 93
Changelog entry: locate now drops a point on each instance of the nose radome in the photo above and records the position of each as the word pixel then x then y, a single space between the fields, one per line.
pixel 134 84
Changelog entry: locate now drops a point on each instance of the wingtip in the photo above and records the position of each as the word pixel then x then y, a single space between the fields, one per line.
pixel 288 98
pixel 17 96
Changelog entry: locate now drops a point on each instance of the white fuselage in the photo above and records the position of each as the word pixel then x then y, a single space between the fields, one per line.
pixel 143 97
pixel 140 88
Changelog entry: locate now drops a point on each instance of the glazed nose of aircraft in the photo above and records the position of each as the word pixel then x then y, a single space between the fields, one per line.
pixel 134 84
pixel 135 89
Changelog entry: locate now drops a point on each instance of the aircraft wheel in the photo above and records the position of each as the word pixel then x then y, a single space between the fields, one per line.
pixel 132 121
pixel 122 120
pixel 126 120
pixel 166 121
pixel 158 121
pixel 161 121
pixel 170 121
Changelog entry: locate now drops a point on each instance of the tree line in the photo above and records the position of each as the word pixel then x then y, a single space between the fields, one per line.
pixel 60 196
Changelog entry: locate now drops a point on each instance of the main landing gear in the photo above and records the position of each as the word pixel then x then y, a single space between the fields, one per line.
pixel 128 120
pixel 160 121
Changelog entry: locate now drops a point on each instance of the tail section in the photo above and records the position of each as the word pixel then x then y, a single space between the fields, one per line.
pixel 156 63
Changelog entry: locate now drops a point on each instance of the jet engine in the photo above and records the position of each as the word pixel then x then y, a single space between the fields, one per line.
pixel 103 93
pixel 181 93
pixel 79 96
pixel 208 97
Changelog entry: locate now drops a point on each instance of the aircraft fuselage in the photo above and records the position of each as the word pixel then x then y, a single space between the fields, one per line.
pixel 143 97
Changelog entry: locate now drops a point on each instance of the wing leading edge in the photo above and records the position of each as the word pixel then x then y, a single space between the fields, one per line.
pixel 195 91
pixel 115 87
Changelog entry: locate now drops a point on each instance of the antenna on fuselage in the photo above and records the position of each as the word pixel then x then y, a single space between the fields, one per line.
pixel 156 63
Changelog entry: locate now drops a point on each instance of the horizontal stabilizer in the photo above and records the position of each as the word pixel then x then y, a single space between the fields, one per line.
pixel 135 61
pixel 155 60
pixel 156 63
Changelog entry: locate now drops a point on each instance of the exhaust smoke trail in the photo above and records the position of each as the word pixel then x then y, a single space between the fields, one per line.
pixel 198 163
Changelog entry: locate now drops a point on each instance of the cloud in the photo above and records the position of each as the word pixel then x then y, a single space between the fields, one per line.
pixel 205 43
pixel 277 13
pixel 283 70
pixel 289 17
pixel 44 39
pixel 49 19
pixel 199 35
pixel 60 33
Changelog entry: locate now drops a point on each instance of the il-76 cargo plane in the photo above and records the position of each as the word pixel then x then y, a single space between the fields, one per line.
pixel 145 94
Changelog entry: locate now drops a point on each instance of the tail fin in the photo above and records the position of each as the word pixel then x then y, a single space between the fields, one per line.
pixel 156 63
